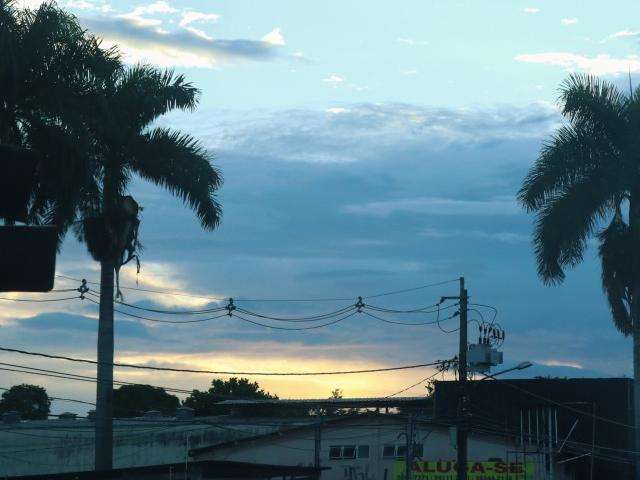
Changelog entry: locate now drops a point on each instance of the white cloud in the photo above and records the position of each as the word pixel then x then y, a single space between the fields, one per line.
pixel 141 39
pixel 274 37
pixel 192 16
pixel 155 7
pixel 336 110
pixel 30 4
pixel 625 33
pixel 531 10
pixel 137 15
pixel 334 79
pixel 559 363
pixel 437 206
pixel 569 21
pixel 409 72
pixel 410 42
pixel 602 64
pixel 504 237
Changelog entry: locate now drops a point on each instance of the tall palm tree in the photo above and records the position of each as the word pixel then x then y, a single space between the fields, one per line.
pixel 125 143
pixel 586 184
pixel 50 68
pixel 90 123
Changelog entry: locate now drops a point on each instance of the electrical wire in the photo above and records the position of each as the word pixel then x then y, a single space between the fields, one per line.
pixel 170 312
pixel 284 300
pixel 434 307
pixel 215 372
pixel 559 404
pixel 147 290
pixel 38 300
pixel 406 290
pixel 495 310
pixel 58 398
pixel 159 320
pixel 312 318
pixel 416 384
pixel 73 376
pixel 394 322
pixel 295 328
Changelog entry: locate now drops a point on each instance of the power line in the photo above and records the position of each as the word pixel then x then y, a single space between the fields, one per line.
pixel 72 376
pixel 441 369
pixel 57 398
pixel 432 322
pixel 159 320
pixel 333 322
pixel 218 299
pixel 215 372
pixel 406 290
pixel 559 404
pixel 495 310
pixel 167 312
pixel 311 318
pixel 38 300
pixel 434 308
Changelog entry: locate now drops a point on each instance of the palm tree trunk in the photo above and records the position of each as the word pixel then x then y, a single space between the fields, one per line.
pixel 634 222
pixel 104 392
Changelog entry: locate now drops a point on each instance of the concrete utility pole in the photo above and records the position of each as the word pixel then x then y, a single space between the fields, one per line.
pixel 410 448
pixel 461 426
pixel 462 379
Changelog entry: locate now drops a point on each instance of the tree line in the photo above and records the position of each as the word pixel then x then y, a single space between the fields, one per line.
pixel 32 402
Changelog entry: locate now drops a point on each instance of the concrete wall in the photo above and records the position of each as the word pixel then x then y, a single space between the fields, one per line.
pixel 298 449
pixel 56 446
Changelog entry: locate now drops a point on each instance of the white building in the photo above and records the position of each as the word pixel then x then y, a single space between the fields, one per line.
pixel 373 447
pixel 365 446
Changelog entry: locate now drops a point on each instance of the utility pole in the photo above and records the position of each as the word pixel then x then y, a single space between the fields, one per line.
pixel 410 448
pixel 462 379
pixel 461 426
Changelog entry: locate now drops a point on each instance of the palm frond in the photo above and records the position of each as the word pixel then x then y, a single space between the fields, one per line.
pixel 589 100
pixel 180 164
pixel 565 223
pixel 144 93
pixel 66 179
pixel 572 155
pixel 615 250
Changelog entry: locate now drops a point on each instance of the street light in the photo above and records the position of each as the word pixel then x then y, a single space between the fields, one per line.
pixel 520 366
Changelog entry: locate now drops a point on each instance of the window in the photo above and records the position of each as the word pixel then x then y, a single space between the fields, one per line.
pixel 401 451
pixel 418 450
pixel 363 451
pixel 349 451
pixel 389 451
pixel 335 452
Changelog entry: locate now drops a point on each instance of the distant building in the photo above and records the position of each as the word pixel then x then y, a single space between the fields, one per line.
pixel 67 445
pixel 583 424
pixel 343 439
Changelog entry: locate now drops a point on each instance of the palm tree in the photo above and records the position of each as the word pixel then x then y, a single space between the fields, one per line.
pixel 586 184
pixel 89 123
pixel 125 143
pixel 49 70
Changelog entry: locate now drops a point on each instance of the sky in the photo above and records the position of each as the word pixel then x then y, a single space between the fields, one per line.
pixel 366 147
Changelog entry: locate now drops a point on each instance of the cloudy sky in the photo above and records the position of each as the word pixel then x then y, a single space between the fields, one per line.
pixel 366 147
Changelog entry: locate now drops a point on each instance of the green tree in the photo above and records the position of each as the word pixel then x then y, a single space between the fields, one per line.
pixel 135 400
pixel 204 402
pixel 50 70
pixel 586 184
pixel 30 401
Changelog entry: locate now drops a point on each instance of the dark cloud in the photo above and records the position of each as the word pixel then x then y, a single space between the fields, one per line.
pixel 55 323
pixel 285 233
pixel 130 33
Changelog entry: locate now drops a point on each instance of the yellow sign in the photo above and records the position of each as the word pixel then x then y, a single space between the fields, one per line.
pixel 447 470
